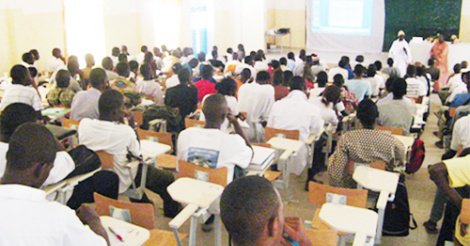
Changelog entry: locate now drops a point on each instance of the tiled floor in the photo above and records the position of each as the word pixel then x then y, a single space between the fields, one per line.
pixel 420 187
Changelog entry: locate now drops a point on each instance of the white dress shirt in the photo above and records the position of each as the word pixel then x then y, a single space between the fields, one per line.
pixel 401 53
pixel 15 93
pixel 294 112
pixel 415 88
pixel 461 134
pixel 54 63
pixel 455 81
pixel 27 218
pixel 291 64
pixel 460 89
pixel 85 104
pixel 261 66
pixel 172 81
pixel 152 89
pixel 116 139
pixel 327 112
pixel 63 165
pixel 338 70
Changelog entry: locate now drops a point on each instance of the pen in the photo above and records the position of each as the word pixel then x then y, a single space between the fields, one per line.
pixel 115 234
pixel 290 240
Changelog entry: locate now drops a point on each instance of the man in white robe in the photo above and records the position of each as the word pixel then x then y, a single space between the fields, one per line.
pixel 400 53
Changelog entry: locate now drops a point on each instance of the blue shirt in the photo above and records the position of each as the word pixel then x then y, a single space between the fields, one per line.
pixel 460 100
pixel 360 88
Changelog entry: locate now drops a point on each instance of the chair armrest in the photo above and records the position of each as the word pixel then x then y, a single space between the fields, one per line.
pixel 183 216
pixel 311 139
pixel 77 179
pixel 382 201
pixel 133 164
pixel 54 187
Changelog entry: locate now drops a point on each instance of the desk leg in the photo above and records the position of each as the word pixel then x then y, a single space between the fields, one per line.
pixel 218 231
pixel 193 230
pixel 378 235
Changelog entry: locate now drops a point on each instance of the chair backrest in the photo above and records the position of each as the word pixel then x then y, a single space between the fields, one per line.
pixel 273 132
pixel 107 160
pixel 142 214
pixel 354 197
pixel 70 124
pixel 351 165
pixel 162 137
pixel 322 237
pixel 188 122
pixel 393 130
pixel 211 175
pixel 465 211
pixel 138 118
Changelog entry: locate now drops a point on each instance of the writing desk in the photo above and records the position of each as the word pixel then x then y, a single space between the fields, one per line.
pixel 359 221
pixel 152 149
pixel 55 113
pixel 59 132
pixel 131 234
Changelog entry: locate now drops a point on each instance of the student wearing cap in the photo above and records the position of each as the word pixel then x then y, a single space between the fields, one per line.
pixel 401 53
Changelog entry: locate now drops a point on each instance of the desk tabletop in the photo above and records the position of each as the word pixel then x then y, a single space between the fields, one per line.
pixel 349 219
pixel 60 132
pixel 375 179
pixel 193 191
pixel 286 144
pixel 405 140
pixel 152 149
pixel 132 235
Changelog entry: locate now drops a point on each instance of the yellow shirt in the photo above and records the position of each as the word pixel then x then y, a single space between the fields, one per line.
pixel 459 171
pixel 462 236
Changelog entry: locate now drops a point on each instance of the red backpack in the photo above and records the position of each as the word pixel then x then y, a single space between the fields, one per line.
pixel 418 152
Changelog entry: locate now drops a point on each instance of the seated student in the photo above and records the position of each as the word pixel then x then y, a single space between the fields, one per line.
pixel 322 80
pixel 462 98
pixel 461 88
pixel 391 71
pixel 373 80
pixel 364 146
pixel 61 95
pixel 455 79
pixel 316 65
pixel 110 134
pixel 291 61
pixel 108 66
pixel 85 103
pixel 173 80
pixel 244 78
pixel 148 87
pixel 121 83
pixel 90 63
pixel 283 64
pixel 359 86
pixel 215 62
pixel 11 118
pixel 212 147
pixel 252 212
pixel 134 68
pixel 398 113
pixel 307 73
pixel 340 69
pixel 414 87
pixel 452 178
pixel 183 96
pixel 27 217
pixel 423 78
pixel 326 104
pixel 21 91
pixel 349 100
pixel 205 86
pixel 294 112
pixel 75 74
pixel 256 99
pixel 280 88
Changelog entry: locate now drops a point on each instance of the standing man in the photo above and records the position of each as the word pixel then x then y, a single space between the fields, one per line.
pixel 439 52
pixel 401 53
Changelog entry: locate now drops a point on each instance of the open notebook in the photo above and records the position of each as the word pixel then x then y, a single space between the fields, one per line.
pixel 262 157
pixel 132 235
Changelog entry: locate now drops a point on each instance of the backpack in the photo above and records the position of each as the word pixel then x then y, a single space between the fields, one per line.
pixel 397 213
pixel 86 160
pixel 173 118
pixel 418 152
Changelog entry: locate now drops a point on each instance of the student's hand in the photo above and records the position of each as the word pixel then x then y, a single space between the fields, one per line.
pixel 242 116
pixel 293 227
pixel 87 215
pixel 232 118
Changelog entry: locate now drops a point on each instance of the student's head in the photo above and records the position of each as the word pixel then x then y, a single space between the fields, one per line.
pixel 30 157
pixel 291 56
pixel 411 71
pixel 378 65
pixel 431 62
pixel 288 75
pixel 176 68
pixel 107 63
pixel 89 60
pixel 207 72
pixel 389 83
pixel 124 49
pixel 122 58
pixel 367 113
pixel 235 56
pixel 322 79
pixel 245 75
pixel 371 71
pixel 201 56
pixel 302 55
pixel 332 94
pixel 72 65
pixel 390 62
pixel 33 72
pixel 134 66
pixel 146 71
pixel 227 87
pixel 360 59
pixel 184 75
pixel 193 63
pixel 215 109
pixel 342 63
pixel 111 105
pixel 338 80
pixel 420 71
pixel 215 54
pixel 457 68
pixel 258 57
pixel 148 58
pixel 115 51
pixel 144 49
pixel 122 69
pixel 399 88
pixel 28 58
pixel 358 70
pixel 297 83
pixel 248 60
pixel 56 52
pixel 263 77
pixel 157 52
pixel 63 79
pixel 346 60
pixel 20 75
pixel 98 79
pixel 278 77
pixel 35 54
pixel 283 61
pixel 464 64
pixel 275 64
pixel 251 210
pixel 241 47
pixel 13 116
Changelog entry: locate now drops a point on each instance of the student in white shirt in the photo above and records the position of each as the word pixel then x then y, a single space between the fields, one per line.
pixel 173 80
pixel 148 87
pixel 294 112
pixel 212 147
pixel 340 69
pixel 110 134
pixel 326 104
pixel 373 80
pixel 21 91
pixel 115 55
pixel 414 87
pixel 256 99
pixel 291 61
pixel 322 80
pixel 27 60
pixel 28 218
pixel 140 57
pixel 56 61
pixel 455 79
pixel 232 65
pixel 108 66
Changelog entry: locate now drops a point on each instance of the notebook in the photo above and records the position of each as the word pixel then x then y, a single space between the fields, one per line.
pixel 262 157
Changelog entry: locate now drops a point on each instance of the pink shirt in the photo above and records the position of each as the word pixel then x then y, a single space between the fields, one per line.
pixel 204 87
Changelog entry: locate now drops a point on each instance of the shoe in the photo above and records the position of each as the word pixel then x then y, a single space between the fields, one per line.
pixel 430 227
pixel 207 227
pixel 439 144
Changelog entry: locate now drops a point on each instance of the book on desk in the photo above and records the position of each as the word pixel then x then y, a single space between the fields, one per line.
pixel 262 158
